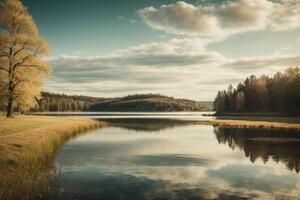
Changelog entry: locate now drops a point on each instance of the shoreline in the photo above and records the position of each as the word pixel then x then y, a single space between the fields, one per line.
pixel 27 133
pixel 253 123
pixel 255 114
pixel 28 146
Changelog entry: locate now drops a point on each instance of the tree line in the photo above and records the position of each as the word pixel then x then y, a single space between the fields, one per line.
pixel 277 94
pixel 137 102
pixel 51 102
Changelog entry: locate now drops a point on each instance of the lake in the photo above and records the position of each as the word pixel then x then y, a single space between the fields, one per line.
pixel 168 158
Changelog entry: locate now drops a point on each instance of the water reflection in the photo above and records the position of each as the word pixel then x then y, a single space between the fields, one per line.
pixel 178 160
pixel 146 124
pixel 280 146
pixel 169 160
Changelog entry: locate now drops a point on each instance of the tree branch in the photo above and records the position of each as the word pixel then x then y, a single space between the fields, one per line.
pixel 23 61
pixel 23 47
pixel 38 66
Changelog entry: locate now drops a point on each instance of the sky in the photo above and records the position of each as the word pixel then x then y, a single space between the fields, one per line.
pixel 186 49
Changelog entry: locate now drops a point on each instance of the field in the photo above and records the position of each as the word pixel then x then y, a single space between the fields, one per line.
pixel 27 148
pixel 22 133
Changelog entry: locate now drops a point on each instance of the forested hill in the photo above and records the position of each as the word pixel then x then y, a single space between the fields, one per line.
pixel 148 102
pixel 138 103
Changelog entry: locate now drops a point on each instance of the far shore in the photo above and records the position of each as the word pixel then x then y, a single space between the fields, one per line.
pixel 235 120
pixel 255 120
pixel 246 122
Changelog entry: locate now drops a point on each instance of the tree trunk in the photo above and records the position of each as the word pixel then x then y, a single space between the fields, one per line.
pixel 9 112
pixel 10 102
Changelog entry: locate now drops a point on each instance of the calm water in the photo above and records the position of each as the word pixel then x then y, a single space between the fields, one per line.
pixel 171 159
pixel 132 115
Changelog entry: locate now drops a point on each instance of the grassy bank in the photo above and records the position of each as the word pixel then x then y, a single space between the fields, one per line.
pixel 28 145
pixel 267 123
pixel 258 114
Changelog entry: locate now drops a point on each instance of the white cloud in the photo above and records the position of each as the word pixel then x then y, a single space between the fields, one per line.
pixel 263 62
pixel 178 67
pixel 181 18
pixel 173 67
pixel 221 20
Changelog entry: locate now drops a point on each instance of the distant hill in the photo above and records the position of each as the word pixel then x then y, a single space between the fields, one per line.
pixel 209 104
pixel 137 103
pixel 147 102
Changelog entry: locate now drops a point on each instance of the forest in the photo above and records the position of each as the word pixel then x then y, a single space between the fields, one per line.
pixel 278 94
pixel 62 102
pixel 137 102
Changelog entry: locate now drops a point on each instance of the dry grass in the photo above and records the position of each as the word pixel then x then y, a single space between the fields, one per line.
pixel 27 148
pixel 24 123
pixel 284 125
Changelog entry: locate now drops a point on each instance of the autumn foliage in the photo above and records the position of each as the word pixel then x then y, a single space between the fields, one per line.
pixel 277 94
pixel 23 65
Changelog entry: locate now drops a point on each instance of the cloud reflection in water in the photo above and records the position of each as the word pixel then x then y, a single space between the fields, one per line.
pixel 185 162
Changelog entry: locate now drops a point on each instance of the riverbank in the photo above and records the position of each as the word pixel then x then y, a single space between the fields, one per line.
pixel 27 136
pixel 28 145
pixel 254 122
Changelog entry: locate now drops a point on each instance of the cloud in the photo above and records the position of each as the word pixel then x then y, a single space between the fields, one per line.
pixel 254 63
pixel 181 18
pixel 177 67
pixel 162 67
pixel 223 81
pixel 147 61
pixel 222 20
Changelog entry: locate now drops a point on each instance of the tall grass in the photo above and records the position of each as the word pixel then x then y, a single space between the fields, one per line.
pixel 243 123
pixel 32 174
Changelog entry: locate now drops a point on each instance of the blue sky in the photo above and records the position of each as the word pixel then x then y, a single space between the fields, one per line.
pixel 187 49
pixel 93 26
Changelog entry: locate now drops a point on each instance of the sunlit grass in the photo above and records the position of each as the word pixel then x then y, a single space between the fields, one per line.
pixel 24 123
pixel 27 150
pixel 253 123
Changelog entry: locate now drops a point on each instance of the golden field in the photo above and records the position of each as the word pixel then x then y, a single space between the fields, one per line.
pixel 28 145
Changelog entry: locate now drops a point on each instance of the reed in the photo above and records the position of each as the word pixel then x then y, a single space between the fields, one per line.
pixel 27 167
